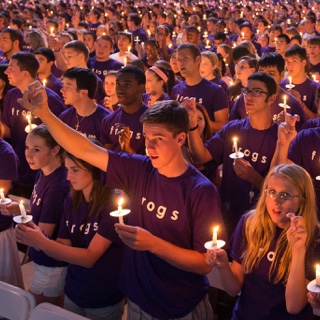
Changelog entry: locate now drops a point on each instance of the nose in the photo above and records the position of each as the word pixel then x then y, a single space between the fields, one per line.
pixel 149 144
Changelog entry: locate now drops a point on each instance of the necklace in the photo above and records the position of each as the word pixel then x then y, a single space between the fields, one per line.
pixel 79 121
pixel 254 165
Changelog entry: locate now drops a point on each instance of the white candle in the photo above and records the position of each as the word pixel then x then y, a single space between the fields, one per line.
pixel 207 43
pixel 125 61
pixel 44 82
pixel 149 33
pixel 215 236
pixel 22 210
pixel 242 34
pixel 284 104
pixel 235 145
pixel 1 194
pixel 120 202
pixel 136 40
pixel 290 80
pixel 204 17
pixel 318 275
pixel 29 121
pixel 51 31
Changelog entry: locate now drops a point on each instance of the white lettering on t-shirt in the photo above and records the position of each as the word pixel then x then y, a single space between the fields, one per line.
pixel 254 155
pixel 15 112
pixel 180 98
pixel 116 131
pixel 313 154
pixel 160 210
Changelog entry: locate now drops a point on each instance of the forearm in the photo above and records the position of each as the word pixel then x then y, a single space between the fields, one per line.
pixel 229 280
pixel 60 62
pixel 308 113
pixel 256 179
pixel 58 251
pixel 197 149
pixel 185 259
pixel 296 292
pixel 280 155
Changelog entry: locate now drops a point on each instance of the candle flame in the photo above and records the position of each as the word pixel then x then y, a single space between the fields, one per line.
pixel 28 117
pixel 215 229
pixel 120 202
pixel 235 139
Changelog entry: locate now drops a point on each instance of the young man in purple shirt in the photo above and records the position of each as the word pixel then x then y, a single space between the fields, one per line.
pixel 205 92
pixel 84 115
pixel 122 129
pixel 134 22
pixel 102 63
pixel 46 59
pixel 256 137
pixel 304 88
pixel 22 71
pixel 11 42
pixel 166 230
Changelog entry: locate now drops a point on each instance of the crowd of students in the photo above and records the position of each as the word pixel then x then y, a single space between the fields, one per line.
pixel 147 101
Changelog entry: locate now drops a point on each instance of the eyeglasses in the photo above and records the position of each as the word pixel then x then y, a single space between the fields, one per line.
pixel 254 92
pixel 282 196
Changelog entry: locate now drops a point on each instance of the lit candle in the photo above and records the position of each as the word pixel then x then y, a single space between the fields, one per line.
pixel 136 40
pixel 205 34
pixel 149 33
pixel 225 30
pixel 215 236
pixel 30 27
pixel 235 145
pixel 318 275
pixel 120 202
pixel 207 43
pixel 2 195
pixel 285 100
pixel 51 31
pixel 67 25
pixel 22 210
pixel 242 34
pixel 125 60
pixel 44 82
pixel 204 17
pixel 129 49
pixel 290 81
pixel 29 121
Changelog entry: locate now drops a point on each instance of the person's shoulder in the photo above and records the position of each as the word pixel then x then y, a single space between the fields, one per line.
pixel 101 111
pixel 113 115
pixel 67 112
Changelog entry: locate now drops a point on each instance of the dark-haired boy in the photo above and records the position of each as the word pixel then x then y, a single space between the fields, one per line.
pixel 304 88
pixel 84 115
pixel 256 137
pixel 122 130
pixel 166 230
pixel 46 59
pixel 313 50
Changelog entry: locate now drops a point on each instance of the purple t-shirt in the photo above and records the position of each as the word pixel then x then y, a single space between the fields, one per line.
pixel 54 84
pixel 210 95
pixel 267 49
pixel 314 69
pixel 258 147
pixel 220 83
pixel 180 210
pixel 305 151
pixel 14 116
pixel 238 110
pixel 46 204
pixel 94 287
pixel 146 98
pixel 89 126
pixel 139 33
pixel 102 68
pixel 110 133
pixel 9 163
pixel 93 26
pixel 307 90
pixel 260 299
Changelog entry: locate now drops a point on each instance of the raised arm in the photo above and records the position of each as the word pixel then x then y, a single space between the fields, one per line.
pixel 199 152
pixel 286 133
pixel 35 100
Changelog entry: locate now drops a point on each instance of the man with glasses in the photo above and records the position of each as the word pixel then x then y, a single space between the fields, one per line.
pixel 256 138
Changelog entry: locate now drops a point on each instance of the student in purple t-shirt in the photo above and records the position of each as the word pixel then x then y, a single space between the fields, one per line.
pixel 122 129
pixel 22 71
pixel 274 250
pixel 46 59
pixel 208 94
pixel 102 63
pixel 88 242
pixel 173 210
pixel 51 188
pixel 84 115
pixel 10 269
pixel 256 137
pixel 304 88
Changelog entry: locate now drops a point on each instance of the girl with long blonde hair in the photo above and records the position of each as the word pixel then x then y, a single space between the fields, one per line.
pixel 274 252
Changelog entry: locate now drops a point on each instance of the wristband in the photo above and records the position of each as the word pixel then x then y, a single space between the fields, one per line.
pixel 194 128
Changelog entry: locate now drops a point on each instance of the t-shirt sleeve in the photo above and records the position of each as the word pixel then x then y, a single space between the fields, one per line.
pixel 238 240
pixel 63 232
pixel 8 164
pixel 294 153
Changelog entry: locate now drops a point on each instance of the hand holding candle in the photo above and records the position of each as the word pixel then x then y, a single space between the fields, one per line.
pixel 214 243
pixel 22 210
pixel 2 198
pixel 120 212
pixel 236 154
pixel 30 125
